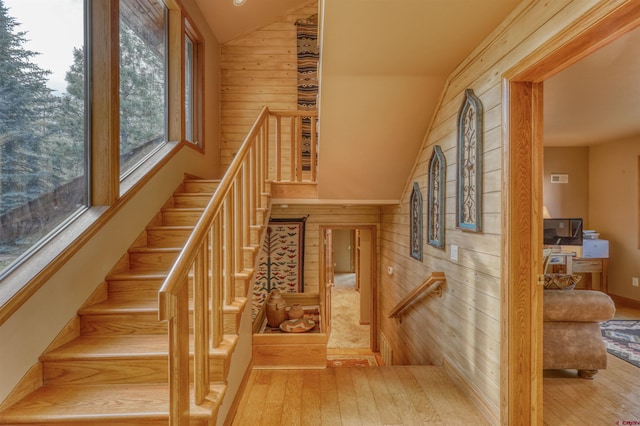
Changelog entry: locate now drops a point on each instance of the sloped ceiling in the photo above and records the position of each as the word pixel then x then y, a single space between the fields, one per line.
pixel 383 67
pixel 597 99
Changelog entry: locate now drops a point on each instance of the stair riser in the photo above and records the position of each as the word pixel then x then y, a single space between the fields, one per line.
pixel 167 238
pixel 119 371
pixel 191 200
pixel 198 186
pixel 137 289
pixel 151 261
pixel 132 289
pixel 180 218
pixel 94 325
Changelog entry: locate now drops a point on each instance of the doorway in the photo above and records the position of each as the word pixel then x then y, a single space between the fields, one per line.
pixel 522 207
pixel 348 259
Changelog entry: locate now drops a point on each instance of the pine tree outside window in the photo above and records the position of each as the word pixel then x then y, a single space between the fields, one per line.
pixel 43 108
pixel 143 81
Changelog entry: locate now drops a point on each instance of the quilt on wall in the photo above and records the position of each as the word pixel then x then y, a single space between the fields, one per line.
pixel 280 261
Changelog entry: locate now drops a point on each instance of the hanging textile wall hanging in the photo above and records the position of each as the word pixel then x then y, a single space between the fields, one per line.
pixel 435 209
pixel 470 133
pixel 280 260
pixel 308 56
pixel 416 222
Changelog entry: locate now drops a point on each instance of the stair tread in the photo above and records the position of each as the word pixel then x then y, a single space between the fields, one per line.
pixel 118 346
pixel 86 402
pixel 119 306
pixel 122 346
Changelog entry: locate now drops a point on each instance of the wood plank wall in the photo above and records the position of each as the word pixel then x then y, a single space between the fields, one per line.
pixel 338 216
pixel 463 328
pixel 258 69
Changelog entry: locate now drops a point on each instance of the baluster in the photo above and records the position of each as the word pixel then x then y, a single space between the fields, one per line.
pixel 179 356
pixel 313 151
pixel 200 324
pixel 228 252
pixel 217 282
pixel 293 152
pixel 299 149
pixel 278 147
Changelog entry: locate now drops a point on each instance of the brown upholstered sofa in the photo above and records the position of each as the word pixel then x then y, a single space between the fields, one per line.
pixel 572 338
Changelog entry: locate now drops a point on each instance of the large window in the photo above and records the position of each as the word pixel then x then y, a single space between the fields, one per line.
pixel 43 149
pixel 143 81
pixel 51 155
pixel 192 85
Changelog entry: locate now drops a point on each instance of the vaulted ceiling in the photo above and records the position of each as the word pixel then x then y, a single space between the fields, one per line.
pixel 383 68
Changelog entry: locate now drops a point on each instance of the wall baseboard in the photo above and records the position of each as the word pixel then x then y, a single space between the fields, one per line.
pixel 629 303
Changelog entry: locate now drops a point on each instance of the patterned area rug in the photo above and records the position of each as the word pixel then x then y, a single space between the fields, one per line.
pixel 622 338
pixel 351 361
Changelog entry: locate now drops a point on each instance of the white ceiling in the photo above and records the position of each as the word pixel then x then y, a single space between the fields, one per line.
pixel 597 99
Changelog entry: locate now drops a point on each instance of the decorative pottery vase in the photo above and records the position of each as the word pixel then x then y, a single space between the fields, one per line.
pixel 296 311
pixel 275 309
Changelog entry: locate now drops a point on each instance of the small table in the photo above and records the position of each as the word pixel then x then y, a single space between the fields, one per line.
pixel 582 265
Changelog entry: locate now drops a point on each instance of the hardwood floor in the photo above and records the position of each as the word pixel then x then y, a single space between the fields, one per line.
pixel 613 397
pixel 424 395
pixel 396 395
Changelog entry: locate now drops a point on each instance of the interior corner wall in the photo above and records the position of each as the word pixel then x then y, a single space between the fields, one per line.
pixel 462 329
pixel 569 199
pixel 613 209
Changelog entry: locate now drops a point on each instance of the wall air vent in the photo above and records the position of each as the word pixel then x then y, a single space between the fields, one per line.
pixel 559 178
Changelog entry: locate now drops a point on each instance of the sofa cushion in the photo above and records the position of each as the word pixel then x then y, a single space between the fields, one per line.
pixel 577 306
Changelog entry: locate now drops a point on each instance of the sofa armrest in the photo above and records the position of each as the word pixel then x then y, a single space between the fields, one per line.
pixel 577 306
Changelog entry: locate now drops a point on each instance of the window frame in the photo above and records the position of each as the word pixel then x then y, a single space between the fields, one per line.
pixel 107 193
pixel 191 32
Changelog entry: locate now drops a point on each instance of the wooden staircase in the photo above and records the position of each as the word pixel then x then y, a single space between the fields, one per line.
pixel 110 365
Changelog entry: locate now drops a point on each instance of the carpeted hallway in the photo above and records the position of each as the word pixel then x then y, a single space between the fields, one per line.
pixel 346 331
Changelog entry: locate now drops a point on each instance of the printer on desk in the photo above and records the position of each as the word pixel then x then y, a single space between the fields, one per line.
pixel 595 249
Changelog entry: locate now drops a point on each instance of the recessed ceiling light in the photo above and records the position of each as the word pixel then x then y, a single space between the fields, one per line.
pixel 238 2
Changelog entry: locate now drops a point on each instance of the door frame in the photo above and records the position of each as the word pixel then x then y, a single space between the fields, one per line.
pixel 373 305
pixel 521 370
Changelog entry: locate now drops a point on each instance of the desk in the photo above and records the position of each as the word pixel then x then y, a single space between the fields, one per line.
pixel 569 264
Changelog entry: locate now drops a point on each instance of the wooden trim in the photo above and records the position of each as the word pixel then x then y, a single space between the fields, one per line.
pixel 175 76
pixel 374 344
pixel 521 252
pixel 629 303
pixel 231 414
pixel 521 369
pixel 31 381
pixel 105 103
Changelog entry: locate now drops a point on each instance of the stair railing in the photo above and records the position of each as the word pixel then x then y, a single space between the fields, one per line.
pixel 430 285
pixel 295 146
pixel 213 257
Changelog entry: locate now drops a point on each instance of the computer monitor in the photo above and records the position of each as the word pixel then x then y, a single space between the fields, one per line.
pixel 563 232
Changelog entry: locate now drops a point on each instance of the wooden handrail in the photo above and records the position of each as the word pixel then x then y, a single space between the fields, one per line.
pixel 429 285
pixel 214 257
